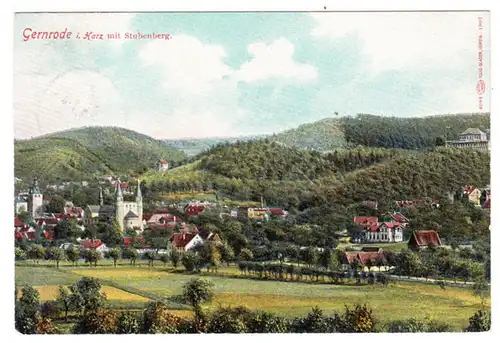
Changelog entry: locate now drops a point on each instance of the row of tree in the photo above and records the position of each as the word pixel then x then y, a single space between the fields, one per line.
pixel 93 317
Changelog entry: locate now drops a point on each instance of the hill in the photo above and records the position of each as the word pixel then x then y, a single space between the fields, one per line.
pixel 192 147
pixel 86 152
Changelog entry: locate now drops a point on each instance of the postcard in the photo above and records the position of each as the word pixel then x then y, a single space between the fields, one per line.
pixel 252 172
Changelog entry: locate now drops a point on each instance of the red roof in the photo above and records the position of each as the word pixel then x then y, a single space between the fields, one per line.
pixel 163 162
pixel 160 218
pixel 47 221
pixel 18 235
pixel 389 225
pixel 130 240
pixel 468 190
pixel 91 244
pixel 365 221
pixel 180 240
pixel 193 210
pixel 48 235
pixel 424 238
pixel 30 235
pixel 363 257
pixel 146 216
pixel 74 211
pixel 18 222
pixel 399 217
pixel 277 211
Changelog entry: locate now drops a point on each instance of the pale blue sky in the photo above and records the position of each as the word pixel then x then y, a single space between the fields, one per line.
pixel 226 74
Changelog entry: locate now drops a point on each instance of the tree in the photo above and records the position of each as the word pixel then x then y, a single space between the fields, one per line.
pixel 27 310
pixel 479 322
pixel 99 321
pixel 92 256
pixel 110 234
pixel 175 257
pixel 150 256
pixel 36 252
pixel 56 204
pixel 210 255
pixel 440 141
pixel 197 291
pixel 158 319
pixel 55 254
pixel 190 261
pixel 86 295
pixel 44 326
pixel 481 288
pixel 64 298
pixel 164 258
pixel 73 254
pixel 19 254
pixel 128 323
pixel 325 259
pixel 227 254
pixel 66 230
pixel 132 255
pixel 115 254
pixel 245 255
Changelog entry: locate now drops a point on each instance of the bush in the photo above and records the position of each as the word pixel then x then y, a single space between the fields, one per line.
pixel 44 327
pixel 479 322
pixel 358 320
pixel 407 325
pixel 50 309
pixel 265 322
pixel 189 261
pixel 226 320
pixel 314 322
pixel 128 323
pixel 157 319
pixel 97 322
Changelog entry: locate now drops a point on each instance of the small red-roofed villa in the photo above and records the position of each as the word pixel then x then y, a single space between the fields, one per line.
pixel 423 239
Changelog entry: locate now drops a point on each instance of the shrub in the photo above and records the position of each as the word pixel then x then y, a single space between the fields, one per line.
pixel 225 320
pixel 97 322
pixel 50 309
pixel 265 322
pixel 407 325
pixel 189 261
pixel 480 321
pixel 157 319
pixel 360 319
pixel 196 292
pixel 44 327
pixel 128 323
pixel 314 322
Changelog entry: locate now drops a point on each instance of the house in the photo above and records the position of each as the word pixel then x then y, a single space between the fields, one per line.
pixel 163 218
pixel 472 138
pixel 162 165
pixel 258 213
pixel 365 258
pixel 473 194
pixel 194 209
pixel 129 242
pixel 422 239
pixel 74 212
pixel 370 204
pixel 396 217
pixel 365 221
pixel 277 213
pixel 96 244
pixel 386 232
pixel 183 242
pixel 210 237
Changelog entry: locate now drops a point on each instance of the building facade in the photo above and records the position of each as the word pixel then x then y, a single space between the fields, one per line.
pixel 472 138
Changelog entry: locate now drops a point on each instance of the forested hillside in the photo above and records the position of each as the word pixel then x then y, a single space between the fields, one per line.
pixel 409 133
pixel 84 153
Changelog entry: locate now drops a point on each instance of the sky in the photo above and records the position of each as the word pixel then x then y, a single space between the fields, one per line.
pixel 231 74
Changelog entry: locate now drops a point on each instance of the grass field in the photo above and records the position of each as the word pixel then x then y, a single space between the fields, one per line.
pixel 134 286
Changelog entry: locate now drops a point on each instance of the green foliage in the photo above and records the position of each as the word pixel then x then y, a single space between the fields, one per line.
pixel 175 257
pixel 157 319
pixel 197 291
pixel 132 254
pixel 83 152
pixel 56 204
pixel 36 252
pixel 55 254
pixel 20 254
pixel 227 320
pixel 66 230
pixel 27 310
pixel 86 295
pixel 313 322
pixel 110 233
pixel 73 254
pixel 128 323
pixel 417 325
pixel 115 254
pixel 92 256
pixel 150 256
pixel 479 322
pixel 97 322
pixel 65 300
pixel 190 261
pixel 227 253
pixel 245 255
pixel 409 133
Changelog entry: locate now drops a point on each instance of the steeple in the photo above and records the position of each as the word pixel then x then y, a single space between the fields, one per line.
pixel 101 198
pixel 35 188
pixel 139 193
pixel 119 193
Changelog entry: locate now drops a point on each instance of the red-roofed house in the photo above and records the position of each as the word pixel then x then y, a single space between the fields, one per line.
pixel 18 224
pixel 365 221
pixel 75 212
pixel 278 212
pixel 49 235
pixel 422 239
pixel 131 241
pixel 162 165
pixel 163 218
pixel 183 242
pixel 93 244
pixel 473 194
pixel 363 257
pixel 386 232
pixel 400 218
pixel 194 209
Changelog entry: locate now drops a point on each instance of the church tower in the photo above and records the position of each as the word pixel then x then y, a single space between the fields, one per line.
pixel 138 200
pixel 35 200
pixel 101 198
pixel 119 205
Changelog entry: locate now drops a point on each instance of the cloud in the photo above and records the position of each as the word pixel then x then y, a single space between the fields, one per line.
pixel 398 40
pixel 46 104
pixel 272 61
pixel 188 65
